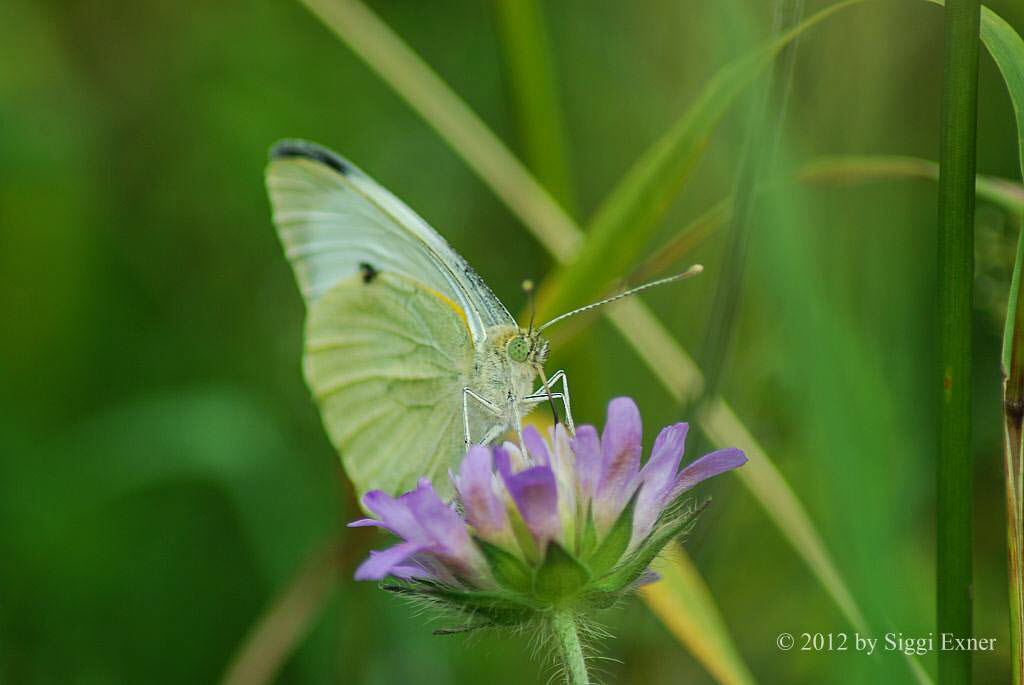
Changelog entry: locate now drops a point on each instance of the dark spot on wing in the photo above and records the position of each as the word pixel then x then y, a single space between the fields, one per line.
pixel 369 273
pixel 288 149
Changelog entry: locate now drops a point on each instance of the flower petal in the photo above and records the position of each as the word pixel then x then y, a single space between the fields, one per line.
pixel 381 563
pixel 656 478
pixel 621 447
pixel 536 496
pixel 484 511
pixel 517 461
pixel 359 523
pixel 394 514
pixel 587 448
pixel 646 578
pixel 535 445
pixel 564 468
pixel 439 522
pixel 707 466
pixel 407 571
pixel 502 462
pixel 670 443
pixel 622 433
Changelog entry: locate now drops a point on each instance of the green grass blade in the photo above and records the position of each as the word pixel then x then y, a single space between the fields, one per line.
pixel 761 476
pixel 401 68
pixel 683 602
pixel 1007 49
pixel 534 88
pixel 824 170
pixel 957 153
pixel 852 169
pixel 641 198
pixel 763 137
pixel 685 240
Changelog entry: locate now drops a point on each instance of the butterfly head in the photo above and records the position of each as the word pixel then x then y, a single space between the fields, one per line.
pixel 527 348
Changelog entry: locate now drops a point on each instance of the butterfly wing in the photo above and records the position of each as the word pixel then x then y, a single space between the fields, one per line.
pixel 390 348
pixel 387 361
pixel 332 218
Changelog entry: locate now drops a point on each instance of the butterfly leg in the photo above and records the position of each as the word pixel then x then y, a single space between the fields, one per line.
pixel 545 390
pixel 513 409
pixel 468 394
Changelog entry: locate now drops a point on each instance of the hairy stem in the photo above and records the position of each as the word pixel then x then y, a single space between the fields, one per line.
pixel 567 642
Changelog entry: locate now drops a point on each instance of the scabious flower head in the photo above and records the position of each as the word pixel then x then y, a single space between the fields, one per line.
pixel 569 522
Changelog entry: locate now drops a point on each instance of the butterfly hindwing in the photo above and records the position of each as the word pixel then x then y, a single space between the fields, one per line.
pixel 387 360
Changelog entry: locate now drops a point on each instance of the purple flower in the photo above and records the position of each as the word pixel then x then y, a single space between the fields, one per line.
pixel 556 520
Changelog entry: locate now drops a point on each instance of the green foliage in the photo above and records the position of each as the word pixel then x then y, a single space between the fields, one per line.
pixel 162 470
pixel 646 192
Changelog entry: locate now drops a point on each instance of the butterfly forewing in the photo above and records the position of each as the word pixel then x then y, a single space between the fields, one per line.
pixel 332 218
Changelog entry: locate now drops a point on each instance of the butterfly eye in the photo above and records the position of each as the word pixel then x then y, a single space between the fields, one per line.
pixel 518 349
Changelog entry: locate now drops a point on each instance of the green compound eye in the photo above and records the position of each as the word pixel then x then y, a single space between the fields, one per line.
pixel 518 349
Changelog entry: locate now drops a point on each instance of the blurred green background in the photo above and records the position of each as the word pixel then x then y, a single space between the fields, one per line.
pixel 163 472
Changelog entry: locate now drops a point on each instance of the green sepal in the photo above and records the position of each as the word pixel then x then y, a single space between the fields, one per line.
pixel 602 600
pixel 560 577
pixel 510 572
pixel 632 566
pixel 524 537
pixel 588 538
pixel 615 541
pixel 491 607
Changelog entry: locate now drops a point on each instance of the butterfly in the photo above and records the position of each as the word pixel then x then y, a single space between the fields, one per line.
pixel 408 353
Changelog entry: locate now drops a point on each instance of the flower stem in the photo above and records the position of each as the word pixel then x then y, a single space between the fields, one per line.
pixel 567 641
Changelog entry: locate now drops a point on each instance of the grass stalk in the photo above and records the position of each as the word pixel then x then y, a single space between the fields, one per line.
pixel 1013 424
pixel 955 290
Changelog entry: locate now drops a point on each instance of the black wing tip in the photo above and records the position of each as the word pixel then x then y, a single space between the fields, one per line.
pixel 290 149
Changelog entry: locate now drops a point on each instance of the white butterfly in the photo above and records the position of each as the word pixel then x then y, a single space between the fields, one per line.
pixel 409 354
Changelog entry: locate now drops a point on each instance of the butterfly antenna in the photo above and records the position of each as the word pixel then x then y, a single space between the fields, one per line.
pixel 528 289
pixel 692 271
